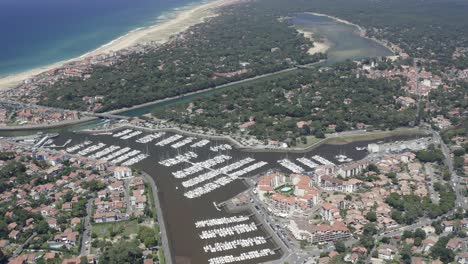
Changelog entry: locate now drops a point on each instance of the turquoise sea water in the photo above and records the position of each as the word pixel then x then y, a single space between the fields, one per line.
pixel 36 33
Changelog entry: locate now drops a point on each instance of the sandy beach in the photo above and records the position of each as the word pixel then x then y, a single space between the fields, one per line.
pixel 158 33
pixel 319 46
pixel 362 31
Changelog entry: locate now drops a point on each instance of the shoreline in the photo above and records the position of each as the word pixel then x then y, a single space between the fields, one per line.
pixel 159 33
pixel 319 46
pixel 362 30
pixel 334 139
pixel 48 126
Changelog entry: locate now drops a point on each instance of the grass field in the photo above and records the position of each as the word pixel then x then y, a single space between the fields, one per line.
pixel 124 228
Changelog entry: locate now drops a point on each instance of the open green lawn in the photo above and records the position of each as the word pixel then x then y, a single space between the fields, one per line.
pixel 124 228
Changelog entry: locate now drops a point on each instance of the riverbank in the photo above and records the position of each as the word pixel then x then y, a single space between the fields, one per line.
pixel 362 30
pixel 319 46
pixel 47 126
pixel 157 34
pixel 332 139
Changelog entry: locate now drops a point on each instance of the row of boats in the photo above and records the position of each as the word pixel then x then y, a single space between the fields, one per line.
pixel 243 256
pixel 132 135
pixel 91 148
pixel 135 160
pixel 122 133
pixel 214 173
pixel 307 162
pixel 113 154
pixel 169 140
pixel 234 244
pixel 78 146
pixel 104 152
pixel 221 221
pixel 222 181
pixel 228 231
pixel 343 158
pixel 149 138
pixel 200 143
pixel 322 160
pixel 291 166
pixel 182 142
pixel 179 159
pixel 129 133
pixel 221 147
pixel 199 166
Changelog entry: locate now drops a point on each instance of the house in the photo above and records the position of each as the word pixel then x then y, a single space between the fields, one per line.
pixel 329 212
pixel 303 230
pixel 462 258
pixel 105 217
pixel 454 244
pixel 386 252
pixel 448 226
pixel 12 226
pixel 52 222
pixel 14 234
pixel 122 172
pixel 75 221
pixel 116 186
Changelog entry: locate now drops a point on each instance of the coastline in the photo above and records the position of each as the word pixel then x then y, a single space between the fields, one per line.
pixel 159 33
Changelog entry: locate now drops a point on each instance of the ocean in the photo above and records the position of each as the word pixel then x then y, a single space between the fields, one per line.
pixel 38 33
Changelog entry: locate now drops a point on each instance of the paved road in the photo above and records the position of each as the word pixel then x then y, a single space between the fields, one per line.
pixel 20 248
pixel 455 179
pixel 430 185
pixel 86 238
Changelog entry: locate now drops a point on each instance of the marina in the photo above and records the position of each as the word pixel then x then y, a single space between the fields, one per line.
pixel 135 160
pixel 343 158
pixel 322 160
pixel 307 162
pixel 169 140
pixel 242 257
pixel 90 149
pixel 182 143
pixel 221 221
pixel 221 147
pixel 200 143
pixel 104 152
pixel 228 231
pixel 178 159
pixel 125 157
pixel 131 135
pixel 122 133
pixel 77 147
pixel 241 243
pixel 199 166
pixel 116 154
pixel 182 206
pixel 150 137
pixel 217 172
pixel 223 181
pixel 291 166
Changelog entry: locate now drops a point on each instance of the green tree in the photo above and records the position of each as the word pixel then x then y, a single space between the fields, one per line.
pixel 122 253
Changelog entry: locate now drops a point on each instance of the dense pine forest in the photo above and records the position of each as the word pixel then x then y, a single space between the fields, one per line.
pixel 243 38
